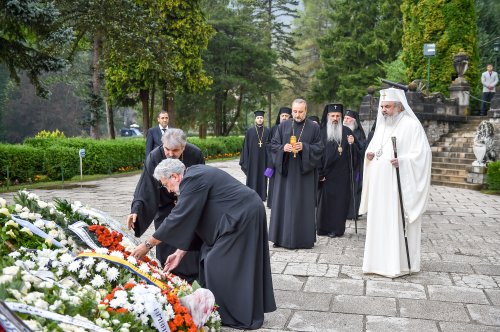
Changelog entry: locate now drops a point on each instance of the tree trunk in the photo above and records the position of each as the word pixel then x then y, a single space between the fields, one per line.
pixel 110 120
pixel 95 103
pixel 202 131
pixel 144 95
pixel 218 115
pixel 152 105
pixel 236 115
pixel 171 110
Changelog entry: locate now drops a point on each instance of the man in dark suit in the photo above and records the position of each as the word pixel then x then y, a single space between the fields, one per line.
pixel 153 139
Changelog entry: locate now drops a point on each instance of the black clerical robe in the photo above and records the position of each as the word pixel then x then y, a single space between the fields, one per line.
pixel 270 164
pixel 153 202
pixel 253 159
pixel 360 141
pixel 335 191
pixel 230 219
pixel 294 198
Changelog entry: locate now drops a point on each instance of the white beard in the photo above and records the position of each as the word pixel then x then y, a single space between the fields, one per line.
pixel 353 125
pixel 334 132
pixel 392 120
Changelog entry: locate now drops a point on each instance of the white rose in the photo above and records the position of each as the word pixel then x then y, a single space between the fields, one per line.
pixel 24 215
pixel 40 224
pixel 12 270
pixel 50 224
pixel 42 204
pixel 3 202
pixel 41 304
pixel 6 279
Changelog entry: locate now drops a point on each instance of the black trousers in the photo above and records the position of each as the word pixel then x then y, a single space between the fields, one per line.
pixel 487 96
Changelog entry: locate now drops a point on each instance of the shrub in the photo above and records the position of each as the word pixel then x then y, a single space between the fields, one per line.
pixel 21 162
pixel 61 161
pixel 493 178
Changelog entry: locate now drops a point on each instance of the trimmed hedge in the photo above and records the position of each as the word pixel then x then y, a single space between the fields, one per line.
pixel 20 163
pixel 58 157
pixel 493 178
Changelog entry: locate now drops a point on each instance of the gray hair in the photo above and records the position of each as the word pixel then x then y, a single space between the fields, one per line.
pixel 300 101
pixel 167 167
pixel 174 138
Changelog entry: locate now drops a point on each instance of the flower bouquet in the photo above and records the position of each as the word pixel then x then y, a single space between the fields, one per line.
pixel 66 267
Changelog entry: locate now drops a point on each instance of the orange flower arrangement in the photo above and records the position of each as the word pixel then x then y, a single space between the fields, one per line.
pixel 183 320
pixel 108 238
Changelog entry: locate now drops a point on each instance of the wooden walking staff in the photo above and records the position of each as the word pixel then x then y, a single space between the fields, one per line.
pixel 401 203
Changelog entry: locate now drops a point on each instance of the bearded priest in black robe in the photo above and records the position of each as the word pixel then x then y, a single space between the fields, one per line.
pixel 284 114
pixel 351 121
pixel 335 172
pixel 152 202
pixel 254 156
pixel 230 220
pixel 297 149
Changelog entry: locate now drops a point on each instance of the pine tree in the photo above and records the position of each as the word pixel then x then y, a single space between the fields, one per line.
pixel 361 35
pixel 31 39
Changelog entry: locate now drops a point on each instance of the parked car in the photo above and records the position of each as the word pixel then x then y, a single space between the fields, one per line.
pixel 130 132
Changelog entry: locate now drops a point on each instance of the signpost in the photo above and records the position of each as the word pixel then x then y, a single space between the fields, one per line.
pixel 429 52
pixel 81 153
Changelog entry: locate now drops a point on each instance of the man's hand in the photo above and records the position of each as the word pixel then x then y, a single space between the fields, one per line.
pixel 131 219
pixel 140 251
pixel 298 146
pixel 370 155
pixel 395 162
pixel 173 260
pixel 350 139
pixel 288 147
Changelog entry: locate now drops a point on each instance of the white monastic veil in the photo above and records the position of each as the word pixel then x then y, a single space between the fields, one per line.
pixel 391 94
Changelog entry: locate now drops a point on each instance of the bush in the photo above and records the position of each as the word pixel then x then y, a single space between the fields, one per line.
pixel 55 156
pixel 61 161
pixel 21 162
pixel 101 156
pixel 493 178
pixel 219 147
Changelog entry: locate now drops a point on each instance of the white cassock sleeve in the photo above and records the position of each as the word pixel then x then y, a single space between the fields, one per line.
pixel 415 159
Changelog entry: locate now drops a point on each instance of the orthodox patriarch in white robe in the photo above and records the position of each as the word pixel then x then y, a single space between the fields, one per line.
pixel 385 252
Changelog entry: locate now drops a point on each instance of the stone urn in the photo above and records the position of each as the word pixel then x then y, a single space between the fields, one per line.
pixel 461 63
pixel 479 151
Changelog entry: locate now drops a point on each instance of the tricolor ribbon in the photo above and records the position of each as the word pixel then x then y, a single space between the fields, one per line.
pixel 117 260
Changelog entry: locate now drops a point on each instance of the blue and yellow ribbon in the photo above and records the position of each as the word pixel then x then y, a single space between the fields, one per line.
pixel 117 260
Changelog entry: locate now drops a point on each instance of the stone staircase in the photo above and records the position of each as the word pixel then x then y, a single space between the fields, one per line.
pixel 452 155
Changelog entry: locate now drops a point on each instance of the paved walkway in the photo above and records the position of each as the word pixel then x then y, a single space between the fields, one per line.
pixel 323 289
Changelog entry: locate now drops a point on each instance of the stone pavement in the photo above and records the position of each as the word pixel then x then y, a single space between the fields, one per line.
pixel 324 289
